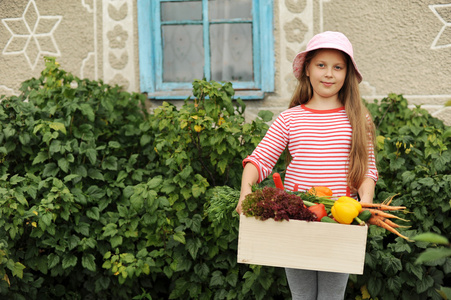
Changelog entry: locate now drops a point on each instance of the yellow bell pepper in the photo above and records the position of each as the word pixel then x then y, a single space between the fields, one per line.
pixel 352 201
pixel 345 210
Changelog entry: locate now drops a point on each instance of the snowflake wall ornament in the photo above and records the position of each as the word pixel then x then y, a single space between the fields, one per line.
pixel 32 35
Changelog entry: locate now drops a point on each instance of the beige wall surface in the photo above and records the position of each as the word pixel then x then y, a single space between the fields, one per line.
pixel 400 46
pixel 93 39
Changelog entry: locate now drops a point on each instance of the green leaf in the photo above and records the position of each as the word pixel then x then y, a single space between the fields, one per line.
pixel 50 170
pixel 417 270
pixel 110 163
pixel 122 175
pixel 88 243
pixel 145 139
pixel 197 190
pixel 116 241
pixel 9 131
pixel 95 174
pixel 92 155
pixel 397 164
pixel 69 261
pixel 222 165
pixel 179 237
pixel 217 279
pixel 186 172
pixel 20 198
pixel 136 202
pixel 202 270
pixel 47 218
pixel 88 262
pixel 110 230
pixel 447 133
pixel 41 157
pixel 154 182
pixel 52 260
pixel 82 228
pixel 86 109
pixel 55 147
pixel 265 281
pixel 95 192
pixel 428 181
pixel 114 144
pixel 424 284
pixel 402 247
pixel 374 285
pixel 265 115
pixel 431 238
pixel 93 213
pixel 433 254
pixel 445 292
pixel 70 177
pixel 58 126
pixel 25 138
pixel 193 246
pixel 17 270
pixel 394 283
pixel 16 179
pixel 74 241
pixel 63 164
pixel 102 283
pixel 232 278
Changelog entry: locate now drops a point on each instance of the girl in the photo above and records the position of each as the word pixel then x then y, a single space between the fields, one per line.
pixel 330 136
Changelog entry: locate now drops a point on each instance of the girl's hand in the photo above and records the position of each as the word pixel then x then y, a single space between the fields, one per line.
pixel 250 177
pixel 238 208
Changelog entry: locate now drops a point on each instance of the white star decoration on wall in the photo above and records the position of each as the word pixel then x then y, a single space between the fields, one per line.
pixel 443 12
pixel 32 35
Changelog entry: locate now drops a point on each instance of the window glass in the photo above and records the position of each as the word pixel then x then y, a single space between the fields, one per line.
pixel 229 9
pixel 177 45
pixel 178 11
pixel 183 53
pixel 231 52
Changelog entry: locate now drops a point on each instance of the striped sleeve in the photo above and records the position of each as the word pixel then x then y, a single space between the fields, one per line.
pixel 372 169
pixel 268 151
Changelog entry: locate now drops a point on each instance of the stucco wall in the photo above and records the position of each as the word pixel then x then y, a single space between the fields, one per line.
pixel 94 39
pixel 400 46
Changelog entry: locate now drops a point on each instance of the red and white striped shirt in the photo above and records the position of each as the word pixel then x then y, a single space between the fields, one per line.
pixel 319 143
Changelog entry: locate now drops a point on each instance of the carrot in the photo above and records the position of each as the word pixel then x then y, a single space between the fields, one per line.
pixel 378 222
pixel 380 213
pixel 382 206
pixel 393 224
pixel 389 199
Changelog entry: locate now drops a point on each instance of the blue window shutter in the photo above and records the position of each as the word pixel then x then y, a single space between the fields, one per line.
pixel 267 45
pixel 146 53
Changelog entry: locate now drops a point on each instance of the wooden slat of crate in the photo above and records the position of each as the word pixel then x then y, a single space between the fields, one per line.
pixel 302 245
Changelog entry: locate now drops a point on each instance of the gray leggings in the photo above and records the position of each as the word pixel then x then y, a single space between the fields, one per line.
pixel 316 285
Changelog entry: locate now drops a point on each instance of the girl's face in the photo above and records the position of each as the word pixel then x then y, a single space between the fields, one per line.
pixel 327 73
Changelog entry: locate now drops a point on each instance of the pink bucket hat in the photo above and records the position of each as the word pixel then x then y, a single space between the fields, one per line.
pixel 330 40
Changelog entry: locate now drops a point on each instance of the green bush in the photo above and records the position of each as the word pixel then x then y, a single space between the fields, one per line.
pixel 414 154
pixel 102 200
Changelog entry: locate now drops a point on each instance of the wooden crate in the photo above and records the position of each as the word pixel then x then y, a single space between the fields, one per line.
pixel 302 245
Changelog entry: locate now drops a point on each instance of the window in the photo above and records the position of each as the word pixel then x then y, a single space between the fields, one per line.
pixel 221 40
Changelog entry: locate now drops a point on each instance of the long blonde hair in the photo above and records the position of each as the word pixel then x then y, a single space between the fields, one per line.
pixel 363 131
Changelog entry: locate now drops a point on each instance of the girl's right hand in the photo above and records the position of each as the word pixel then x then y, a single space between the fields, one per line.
pixel 238 208
pixel 250 177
